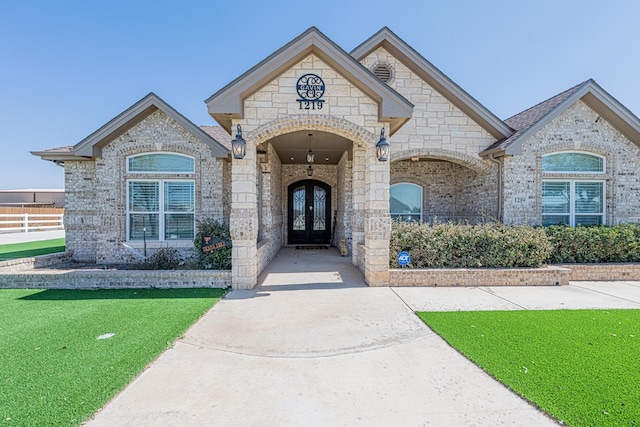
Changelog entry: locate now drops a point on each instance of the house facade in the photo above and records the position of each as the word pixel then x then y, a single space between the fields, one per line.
pixel 312 116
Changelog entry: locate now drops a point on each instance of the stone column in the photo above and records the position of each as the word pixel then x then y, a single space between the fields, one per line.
pixel 377 220
pixel 243 223
pixel 357 203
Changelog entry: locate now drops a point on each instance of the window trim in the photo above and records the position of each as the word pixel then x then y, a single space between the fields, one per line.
pixel 602 172
pixel 391 214
pixel 572 208
pixel 159 172
pixel 161 211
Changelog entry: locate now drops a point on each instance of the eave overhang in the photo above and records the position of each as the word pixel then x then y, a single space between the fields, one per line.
pixel 596 98
pixel 397 47
pixel 92 145
pixel 227 104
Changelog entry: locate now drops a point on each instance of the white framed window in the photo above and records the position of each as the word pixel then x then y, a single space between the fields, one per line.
pixel 573 202
pixel 573 162
pixel 405 202
pixel 160 210
pixel 160 163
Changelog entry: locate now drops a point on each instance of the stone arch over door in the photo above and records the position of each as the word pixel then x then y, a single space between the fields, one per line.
pixel 351 131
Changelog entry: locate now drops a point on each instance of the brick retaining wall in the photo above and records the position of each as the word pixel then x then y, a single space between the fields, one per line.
pixel 545 276
pixel 116 279
pixel 41 261
pixel 618 271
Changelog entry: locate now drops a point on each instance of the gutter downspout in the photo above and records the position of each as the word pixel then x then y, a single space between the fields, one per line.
pixel 493 159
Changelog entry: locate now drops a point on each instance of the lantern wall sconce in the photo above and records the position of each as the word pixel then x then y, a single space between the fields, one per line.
pixel 382 148
pixel 238 145
pixel 309 171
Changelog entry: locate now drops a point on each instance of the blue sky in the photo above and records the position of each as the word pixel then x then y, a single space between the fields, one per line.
pixel 67 67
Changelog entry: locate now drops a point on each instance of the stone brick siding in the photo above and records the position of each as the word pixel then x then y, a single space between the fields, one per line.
pixel 546 276
pixel 344 201
pixel 97 204
pixel 450 192
pixel 578 128
pixel 277 98
pixel 81 205
pixel 271 222
pixel 436 122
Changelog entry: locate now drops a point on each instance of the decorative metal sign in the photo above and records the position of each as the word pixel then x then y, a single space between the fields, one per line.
pixel 210 243
pixel 310 88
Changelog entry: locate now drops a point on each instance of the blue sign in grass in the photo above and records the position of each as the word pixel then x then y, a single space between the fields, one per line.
pixel 404 258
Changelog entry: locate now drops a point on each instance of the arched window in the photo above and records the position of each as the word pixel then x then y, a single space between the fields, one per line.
pixel 573 162
pixel 405 202
pixel 160 163
pixel 161 208
pixel 573 201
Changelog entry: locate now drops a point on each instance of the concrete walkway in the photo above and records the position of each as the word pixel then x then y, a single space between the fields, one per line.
pixel 314 346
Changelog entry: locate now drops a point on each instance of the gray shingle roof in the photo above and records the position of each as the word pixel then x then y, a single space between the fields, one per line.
pixel 219 134
pixel 527 118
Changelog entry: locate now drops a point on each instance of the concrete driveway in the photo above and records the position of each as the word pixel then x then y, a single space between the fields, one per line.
pixel 314 346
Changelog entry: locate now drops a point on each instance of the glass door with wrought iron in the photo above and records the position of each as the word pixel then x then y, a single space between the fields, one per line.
pixel 309 213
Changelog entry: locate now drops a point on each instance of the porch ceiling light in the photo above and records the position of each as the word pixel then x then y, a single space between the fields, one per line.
pixel 382 148
pixel 309 171
pixel 238 145
pixel 310 155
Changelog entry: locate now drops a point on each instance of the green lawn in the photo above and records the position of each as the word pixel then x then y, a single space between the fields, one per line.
pixel 54 368
pixel 30 249
pixel 580 366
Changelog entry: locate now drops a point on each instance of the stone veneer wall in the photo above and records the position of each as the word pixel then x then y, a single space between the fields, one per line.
pixel 450 192
pixel 96 221
pixel 578 128
pixel 271 225
pixel 436 123
pixel 344 202
pixel 81 207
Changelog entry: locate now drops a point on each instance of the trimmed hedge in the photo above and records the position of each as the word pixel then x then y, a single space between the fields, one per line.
pixel 619 243
pixel 448 245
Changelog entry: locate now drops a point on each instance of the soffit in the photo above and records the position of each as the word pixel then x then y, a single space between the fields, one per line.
pixel 227 103
pixel 397 47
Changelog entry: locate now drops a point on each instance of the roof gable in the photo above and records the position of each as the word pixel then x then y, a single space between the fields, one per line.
pixel 226 104
pixel 435 78
pixel 92 145
pixel 535 118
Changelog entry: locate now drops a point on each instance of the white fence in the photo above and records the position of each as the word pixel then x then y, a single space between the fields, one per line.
pixel 27 222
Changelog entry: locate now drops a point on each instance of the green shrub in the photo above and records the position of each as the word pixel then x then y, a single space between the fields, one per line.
pixel 218 259
pixel 619 243
pixel 448 245
pixel 163 259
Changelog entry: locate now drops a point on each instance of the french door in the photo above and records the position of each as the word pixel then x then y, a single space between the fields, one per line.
pixel 309 213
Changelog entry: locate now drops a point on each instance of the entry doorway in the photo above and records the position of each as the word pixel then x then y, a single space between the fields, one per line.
pixel 309 206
